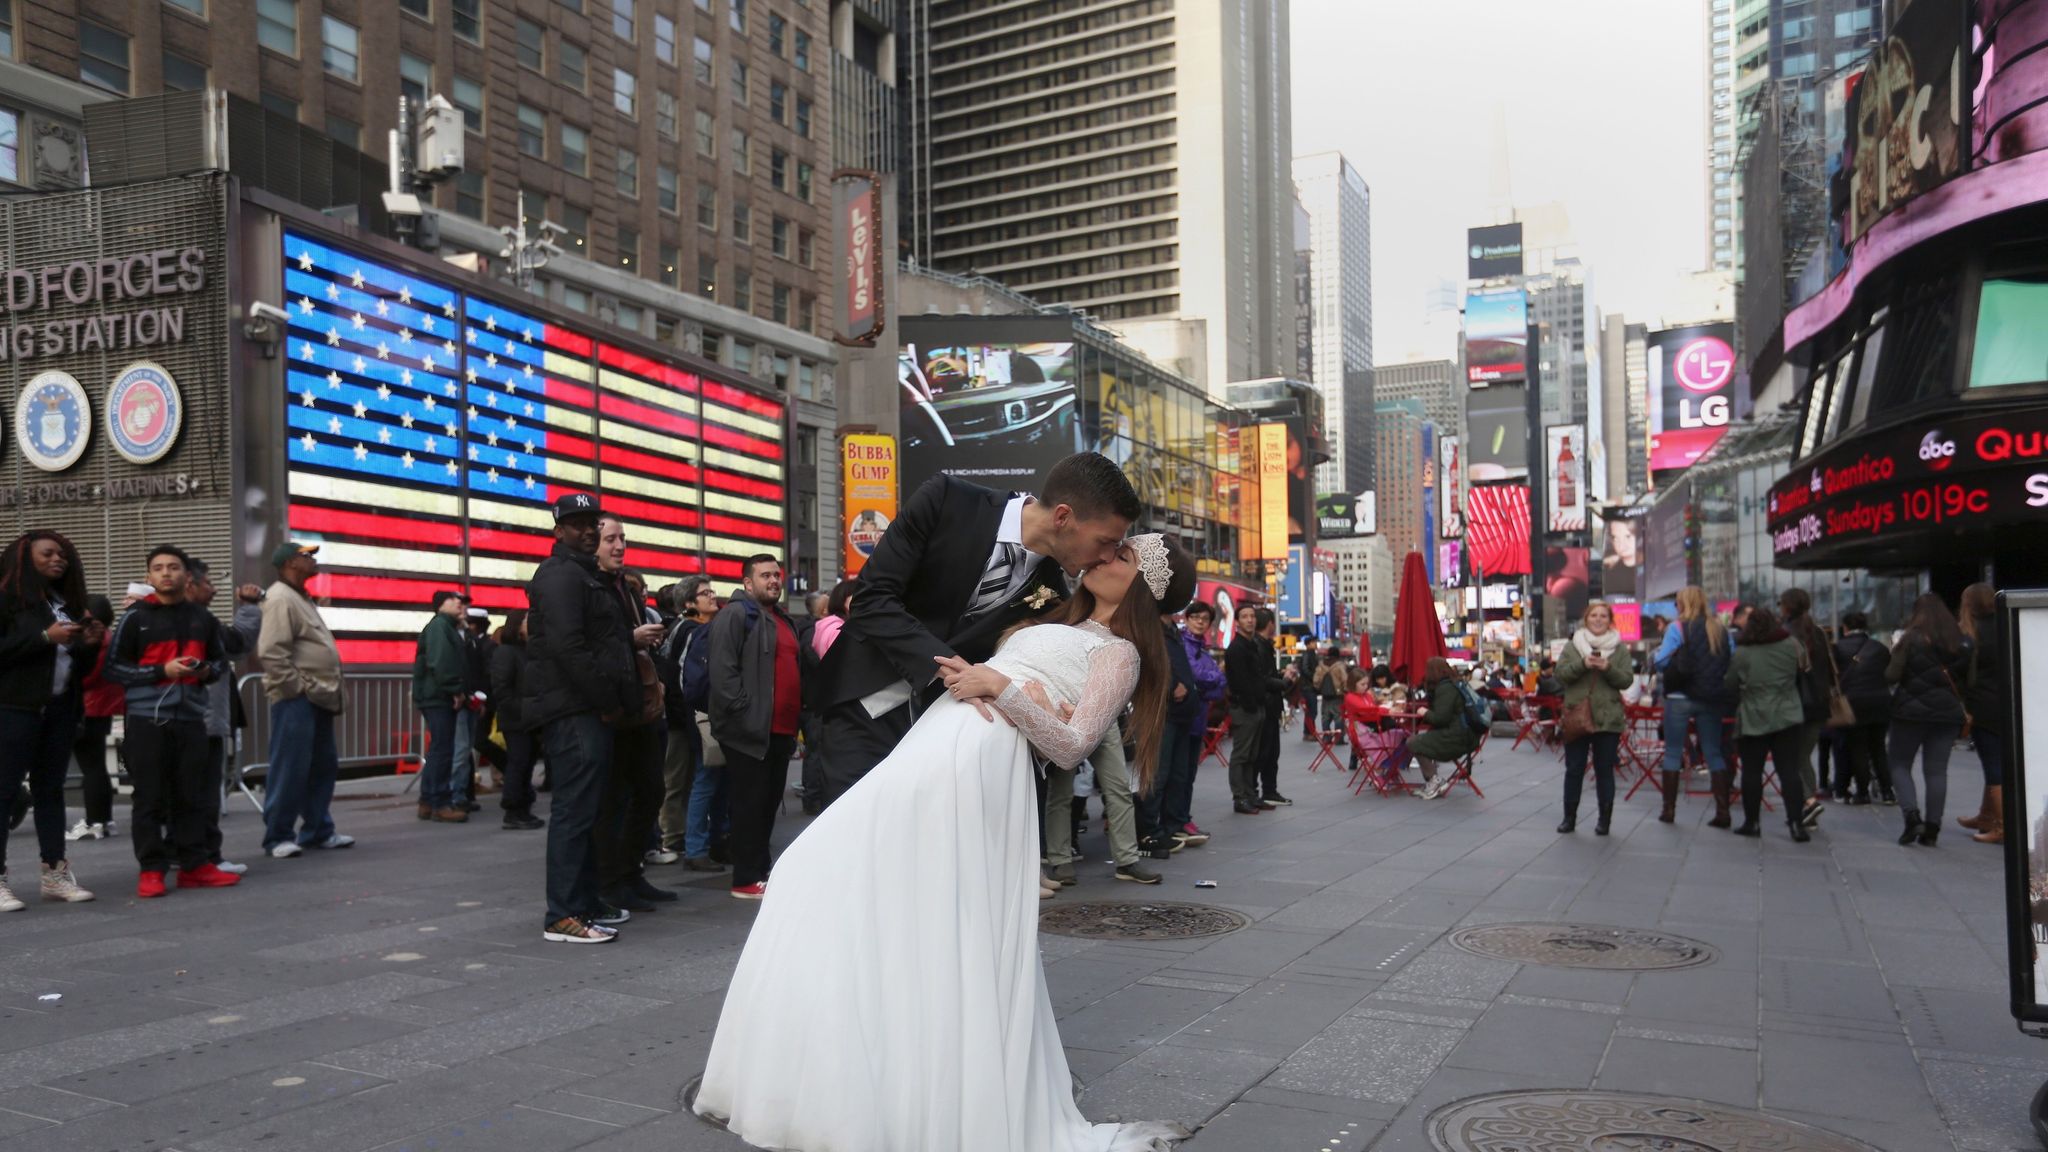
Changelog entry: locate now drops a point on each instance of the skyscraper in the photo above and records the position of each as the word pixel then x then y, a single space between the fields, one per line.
pixel 1724 185
pixel 1436 383
pixel 1070 156
pixel 1340 237
pixel 1400 462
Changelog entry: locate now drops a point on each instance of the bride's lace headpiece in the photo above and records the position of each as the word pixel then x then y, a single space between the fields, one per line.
pixel 1153 565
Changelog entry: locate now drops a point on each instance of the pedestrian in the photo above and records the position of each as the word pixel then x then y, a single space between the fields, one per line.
pixel 826 629
pixel 1693 659
pixel 1291 682
pixel 811 725
pixel 47 641
pixel 1252 685
pixel 223 702
pixel 1177 802
pixel 1862 659
pixel 476 681
pixel 1184 709
pixel 684 760
pixel 103 700
pixel 580 681
pixel 1769 720
pixel 302 683
pixel 522 744
pixel 1595 668
pixel 167 650
pixel 1929 665
pixel 756 696
pixel 1984 704
pixel 1816 683
pixel 629 809
pixel 1449 737
pixel 440 667
pixel 1329 681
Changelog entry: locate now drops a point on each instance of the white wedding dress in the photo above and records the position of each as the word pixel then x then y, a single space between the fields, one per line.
pixel 890 997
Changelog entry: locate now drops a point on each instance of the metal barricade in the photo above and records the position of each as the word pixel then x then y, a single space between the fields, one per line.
pixel 378 728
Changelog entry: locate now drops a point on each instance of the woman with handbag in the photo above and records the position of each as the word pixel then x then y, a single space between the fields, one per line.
pixel 1693 660
pixel 1984 705
pixel 1861 659
pixel 1768 718
pixel 1928 663
pixel 1594 669
pixel 1816 689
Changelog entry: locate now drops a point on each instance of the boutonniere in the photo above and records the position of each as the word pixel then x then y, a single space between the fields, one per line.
pixel 1039 597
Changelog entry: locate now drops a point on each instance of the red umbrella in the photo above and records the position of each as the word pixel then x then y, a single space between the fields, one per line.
pixel 1417 633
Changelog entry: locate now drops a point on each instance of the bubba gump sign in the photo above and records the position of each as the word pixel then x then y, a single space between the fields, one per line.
pixel 869 487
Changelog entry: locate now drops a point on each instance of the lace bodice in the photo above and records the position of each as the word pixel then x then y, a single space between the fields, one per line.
pixel 1084 665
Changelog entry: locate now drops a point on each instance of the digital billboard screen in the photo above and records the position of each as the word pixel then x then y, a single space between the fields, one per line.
pixel 1906 130
pixel 1564 463
pixel 998 414
pixel 1495 250
pixel 1691 395
pixel 1497 440
pixel 1496 336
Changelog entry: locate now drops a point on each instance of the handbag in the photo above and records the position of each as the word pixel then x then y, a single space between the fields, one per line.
pixel 1841 713
pixel 1969 721
pixel 714 756
pixel 1577 722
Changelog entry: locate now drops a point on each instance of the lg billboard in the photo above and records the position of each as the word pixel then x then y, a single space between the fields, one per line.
pixel 1691 374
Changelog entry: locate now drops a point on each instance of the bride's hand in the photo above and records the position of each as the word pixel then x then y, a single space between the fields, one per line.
pixel 976 684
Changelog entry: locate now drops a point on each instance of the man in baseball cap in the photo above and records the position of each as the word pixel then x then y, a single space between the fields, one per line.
pixel 576 504
pixel 292 550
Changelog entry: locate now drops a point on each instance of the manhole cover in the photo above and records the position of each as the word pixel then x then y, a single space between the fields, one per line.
pixel 1140 921
pixel 1584 946
pixel 1618 1122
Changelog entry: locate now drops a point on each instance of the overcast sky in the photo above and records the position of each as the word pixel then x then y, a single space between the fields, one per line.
pixel 1604 104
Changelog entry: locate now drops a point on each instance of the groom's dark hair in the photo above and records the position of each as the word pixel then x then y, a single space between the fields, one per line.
pixel 1092 485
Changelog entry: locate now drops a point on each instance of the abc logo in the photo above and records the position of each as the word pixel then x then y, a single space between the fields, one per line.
pixel 1938 453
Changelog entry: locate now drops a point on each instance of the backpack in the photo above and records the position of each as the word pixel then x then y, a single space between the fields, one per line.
pixel 693 673
pixel 1474 710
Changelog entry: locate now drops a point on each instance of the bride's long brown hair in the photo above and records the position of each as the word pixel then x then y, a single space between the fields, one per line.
pixel 1139 619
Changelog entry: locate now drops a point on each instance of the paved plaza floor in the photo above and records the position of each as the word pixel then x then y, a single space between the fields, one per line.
pixel 398 995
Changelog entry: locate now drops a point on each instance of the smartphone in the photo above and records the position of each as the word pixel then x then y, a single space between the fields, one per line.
pixel 138 589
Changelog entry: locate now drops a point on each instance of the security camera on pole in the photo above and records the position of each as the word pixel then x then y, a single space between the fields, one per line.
pixel 419 160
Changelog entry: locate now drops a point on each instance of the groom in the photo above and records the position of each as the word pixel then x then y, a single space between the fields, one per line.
pixel 960 565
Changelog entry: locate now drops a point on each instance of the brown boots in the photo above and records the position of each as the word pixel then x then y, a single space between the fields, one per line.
pixel 1670 812
pixel 1722 785
pixel 1989 822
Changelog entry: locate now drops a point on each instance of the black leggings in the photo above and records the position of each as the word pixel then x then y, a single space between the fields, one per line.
pixel 1783 748
pixel 89 748
pixel 1606 749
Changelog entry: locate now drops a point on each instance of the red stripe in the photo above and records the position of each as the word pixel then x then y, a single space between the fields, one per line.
pixel 739 398
pixel 376 652
pixel 337 522
pixel 665 467
pixel 514 541
pixel 648 512
pixel 734 526
pixel 499 596
pixel 723 568
pixel 744 485
pixel 377 589
pixel 569 447
pixel 647 416
pixel 660 560
pixel 740 441
pixel 649 370
pixel 560 391
pixel 565 340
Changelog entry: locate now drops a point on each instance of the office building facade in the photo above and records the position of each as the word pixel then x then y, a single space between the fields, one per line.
pixel 1339 209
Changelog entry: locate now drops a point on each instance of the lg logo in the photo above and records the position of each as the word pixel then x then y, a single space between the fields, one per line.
pixel 1938 453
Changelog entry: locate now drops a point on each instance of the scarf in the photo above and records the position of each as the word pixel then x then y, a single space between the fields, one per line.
pixel 1605 643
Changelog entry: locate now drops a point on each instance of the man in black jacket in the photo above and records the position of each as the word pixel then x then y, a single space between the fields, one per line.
pixel 960 564
pixel 1244 672
pixel 580 681
pixel 756 704
pixel 1276 703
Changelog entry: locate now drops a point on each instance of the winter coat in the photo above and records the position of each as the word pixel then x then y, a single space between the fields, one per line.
pixel 1209 680
pixel 579 643
pixel 149 637
pixel 298 653
pixel 1602 687
pixel 743 642
pixel 1449 737
pixel 1862 661
pixel 1184 712
pixel 440 665
pixel 1253 677
pixel 1928 682
pixel 1984 688
pixel 28 663
pixel 508 670
pixel 1706 680
pixel 1766 678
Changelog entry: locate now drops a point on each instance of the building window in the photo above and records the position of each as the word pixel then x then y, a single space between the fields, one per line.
pixel 664 39
pixel 743 354
pixel 424 9
pixel 707 287
pixel 533 132
pixel 803 181
pixel 468 95
pixel 198 7
pixel 577 299
pixel 277 26
pixel 778 101
pixel 625 92
pixel 571 5
pixel 345 130
pixel 627 316
pixel 707 135
pixel 529 36
pixel 668 196
pixel 576 223
pixel 182 75
pixel 778 237
pixel 103 57
pixel 629 173
pixel 415 78
pixel 778 169
pixel 707 207
pixel 665 114
pixel 340 46
pixel 742 222
pixel 741 81
pixel 622 20
pixel 10 145
pixel 572 65
pixel 703 5
pixel 469 194
pixel 469 21
pixel 803 50
pixel 700 61
pixel 806 308
pixel 804 245
pixel 281 104
pixel 742 153
pixel 575 150
pixel 671 262
pixel 806 372
pixel 739 16
pixel 664 328
pixel 778 369
pixel 803 118
pixel 533 208
pixel 743 297
pixel 629 250
pixel 778 31
pixel 7 31
pixel 779 312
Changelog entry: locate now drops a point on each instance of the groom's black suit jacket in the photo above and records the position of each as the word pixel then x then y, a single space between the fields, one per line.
pixel 915 590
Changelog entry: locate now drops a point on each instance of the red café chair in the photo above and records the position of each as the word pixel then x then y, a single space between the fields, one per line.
pixel 1531 725
pixel 1212 742
pixel 1374 750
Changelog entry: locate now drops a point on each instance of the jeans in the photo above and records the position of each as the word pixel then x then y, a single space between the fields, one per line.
pixel 1809 738
pixel 1177 800
pixel 678 774
pixel 167 764
pixel 1991 749
pixel 521 750
pixel 1782 747
pixel 298 790
pixel 1172 765
pixel 756 785
pixel 1932 743
pixel 89 748
pixel 1119 813
pixel 579 749
pixel 630 805
pixel 1709 719
pixel 710 819
pixel 462 767
pixel 435 790
pixel 40 739
pixel 1606 748
pixel 1247 730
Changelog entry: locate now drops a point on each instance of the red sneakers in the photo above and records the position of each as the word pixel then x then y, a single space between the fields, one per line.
pixel 149 886
pixel 204 876
pixel 750 891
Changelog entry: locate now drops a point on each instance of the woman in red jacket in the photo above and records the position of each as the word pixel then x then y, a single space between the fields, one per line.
pixel 104 700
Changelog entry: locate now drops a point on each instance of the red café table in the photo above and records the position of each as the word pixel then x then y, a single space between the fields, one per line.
pixel 1642 745
pixel 1374 747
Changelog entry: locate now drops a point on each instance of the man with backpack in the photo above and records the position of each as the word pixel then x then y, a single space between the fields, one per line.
pixel 695 603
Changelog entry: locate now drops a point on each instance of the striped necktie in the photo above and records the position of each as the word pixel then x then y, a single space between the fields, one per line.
pixel 995 583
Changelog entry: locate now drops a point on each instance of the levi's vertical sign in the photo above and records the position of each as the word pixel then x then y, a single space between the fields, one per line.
pixel 857 244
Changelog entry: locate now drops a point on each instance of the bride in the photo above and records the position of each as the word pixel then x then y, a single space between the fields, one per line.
pixel 890 997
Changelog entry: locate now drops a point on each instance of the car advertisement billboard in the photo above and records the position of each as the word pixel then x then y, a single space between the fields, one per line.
pixel 1497 423
pixel 998 414
pixel 1691 395
pixel 1496 336
pixel 1495 250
